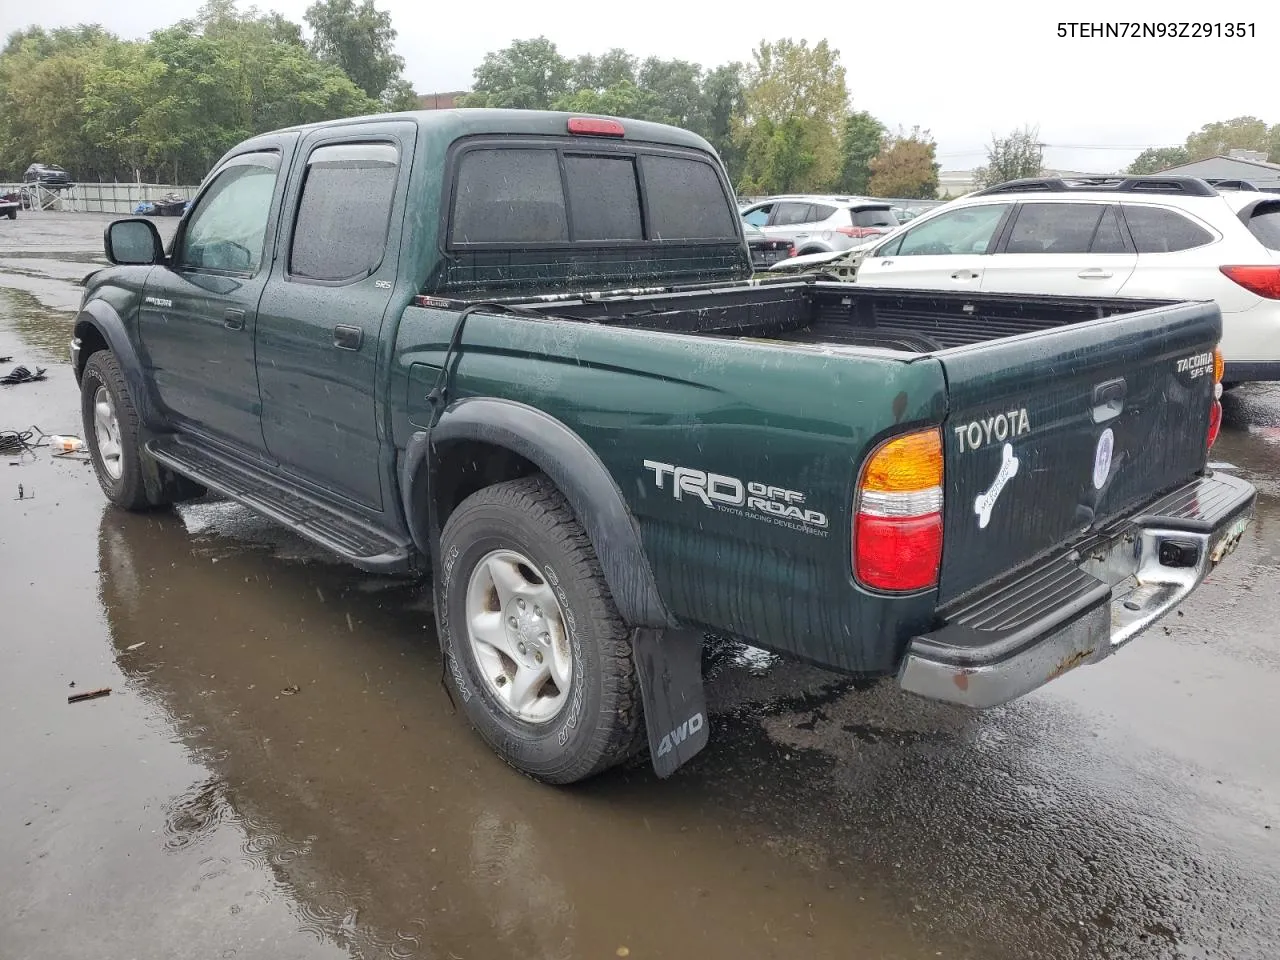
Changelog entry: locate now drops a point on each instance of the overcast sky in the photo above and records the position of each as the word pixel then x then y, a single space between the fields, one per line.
pixel 960 69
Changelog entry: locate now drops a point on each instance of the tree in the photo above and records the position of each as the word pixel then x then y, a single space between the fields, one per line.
pixel 722 105
pixel 359 40
pixel 1155 159
pixel 906 167
pixel 1018 155
pixel 623 99
pixel 1217 139
pixel 610 69
pixel 795 100
pixel 861 139
pixel 675 89
pixel 528 75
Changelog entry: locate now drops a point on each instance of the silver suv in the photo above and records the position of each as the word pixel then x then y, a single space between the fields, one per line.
pixel 821 224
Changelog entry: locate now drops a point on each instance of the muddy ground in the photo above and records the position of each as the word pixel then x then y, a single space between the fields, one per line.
pixel 278 772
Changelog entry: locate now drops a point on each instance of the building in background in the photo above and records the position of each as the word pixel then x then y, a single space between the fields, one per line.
pixel 1250 165
pixel 956 183
pixel 440 101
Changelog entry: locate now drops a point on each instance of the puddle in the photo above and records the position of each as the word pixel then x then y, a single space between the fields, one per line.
pixel 46 332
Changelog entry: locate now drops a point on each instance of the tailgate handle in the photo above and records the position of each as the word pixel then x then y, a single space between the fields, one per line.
pixel 1108 399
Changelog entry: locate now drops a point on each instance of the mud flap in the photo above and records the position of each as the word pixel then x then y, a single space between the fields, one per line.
pixel 669 664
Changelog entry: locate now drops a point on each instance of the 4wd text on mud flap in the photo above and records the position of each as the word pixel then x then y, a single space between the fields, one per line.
pixel 680 734
pixel 715 489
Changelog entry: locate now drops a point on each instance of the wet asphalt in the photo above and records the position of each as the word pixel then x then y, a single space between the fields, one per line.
pixel 278 772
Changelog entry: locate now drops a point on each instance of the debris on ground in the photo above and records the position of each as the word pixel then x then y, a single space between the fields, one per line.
pixel 290 690
pixel 61 445
pixel 21 374
pixel 135 646
pixel 24 495
pixel 89 695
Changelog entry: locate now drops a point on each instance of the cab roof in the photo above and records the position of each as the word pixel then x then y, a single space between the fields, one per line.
pixel 483 121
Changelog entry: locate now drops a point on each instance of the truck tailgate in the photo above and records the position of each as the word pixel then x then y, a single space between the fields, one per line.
pixel 1052 434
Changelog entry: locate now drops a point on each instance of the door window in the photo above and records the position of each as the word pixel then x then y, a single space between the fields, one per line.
pixel 790 213
pixel 341 229
pixel 759 216
pixel 1054 228
pixel 965 231
pixel 229 225
pixel 1108 238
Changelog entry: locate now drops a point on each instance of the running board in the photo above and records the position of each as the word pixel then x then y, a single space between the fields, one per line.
pixel 358 543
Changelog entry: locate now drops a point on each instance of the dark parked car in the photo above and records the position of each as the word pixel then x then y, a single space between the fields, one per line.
pixel 47 175
pixel 9 204
pixel 766 250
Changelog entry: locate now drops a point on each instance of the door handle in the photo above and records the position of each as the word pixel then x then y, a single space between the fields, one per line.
pixel 964 275
pixel 233 319
pixel 347 338
pixel 1095 273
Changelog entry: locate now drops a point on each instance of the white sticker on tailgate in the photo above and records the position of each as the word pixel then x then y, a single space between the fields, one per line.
pixel 986 501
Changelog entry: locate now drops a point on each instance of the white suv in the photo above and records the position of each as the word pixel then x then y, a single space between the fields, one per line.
pixel 820 224
pixel 1173 238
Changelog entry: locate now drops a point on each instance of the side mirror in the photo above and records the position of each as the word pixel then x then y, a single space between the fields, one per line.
pixel 133 242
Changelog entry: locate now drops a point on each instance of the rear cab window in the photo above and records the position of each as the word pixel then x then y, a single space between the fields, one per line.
pixel 1161 230
pixel 577 194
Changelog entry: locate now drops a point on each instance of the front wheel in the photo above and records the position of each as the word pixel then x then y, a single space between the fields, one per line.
pixel 111 432
pixel 533 642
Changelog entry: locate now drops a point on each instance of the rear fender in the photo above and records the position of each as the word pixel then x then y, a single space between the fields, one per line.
pixel 574 468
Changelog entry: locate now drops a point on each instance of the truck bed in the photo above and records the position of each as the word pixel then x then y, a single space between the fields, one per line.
pixel 844 315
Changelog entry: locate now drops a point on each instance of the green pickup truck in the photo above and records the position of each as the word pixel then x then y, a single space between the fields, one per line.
pixel 523 353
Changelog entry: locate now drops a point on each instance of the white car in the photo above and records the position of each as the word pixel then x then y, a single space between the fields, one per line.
pixel 1170 238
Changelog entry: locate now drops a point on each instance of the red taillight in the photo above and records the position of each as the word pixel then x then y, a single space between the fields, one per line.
pixel 596 127
pixel 898 553
pixel 897 531
pixel 1264 281
pixel 858 233
pixel 791 250
pixel 1215 411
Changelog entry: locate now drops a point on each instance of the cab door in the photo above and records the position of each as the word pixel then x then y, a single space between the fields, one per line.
pixel 199 312
pixel 321 321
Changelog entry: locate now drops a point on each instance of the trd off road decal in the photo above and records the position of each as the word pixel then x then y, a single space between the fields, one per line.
pixel 987 500
pixel 757 501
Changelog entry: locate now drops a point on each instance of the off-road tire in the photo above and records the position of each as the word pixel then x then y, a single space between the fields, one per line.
pixel 600 724
pixel 143 484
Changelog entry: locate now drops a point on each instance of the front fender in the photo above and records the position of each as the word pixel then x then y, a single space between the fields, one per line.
pixel 98 324
pixel 574 468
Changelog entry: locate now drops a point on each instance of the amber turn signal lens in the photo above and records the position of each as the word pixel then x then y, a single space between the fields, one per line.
pixel 907 463
pixel 1219 365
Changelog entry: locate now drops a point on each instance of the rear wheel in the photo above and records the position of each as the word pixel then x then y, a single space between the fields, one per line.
pixel 12 214
pixel 533 642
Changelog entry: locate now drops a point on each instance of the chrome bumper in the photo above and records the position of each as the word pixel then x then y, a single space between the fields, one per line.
pixel 1080 606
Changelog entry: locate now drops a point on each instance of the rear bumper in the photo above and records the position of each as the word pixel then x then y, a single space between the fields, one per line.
pixel 1079 606
pixel 1249 371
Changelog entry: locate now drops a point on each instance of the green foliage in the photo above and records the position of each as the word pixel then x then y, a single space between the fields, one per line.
pixel 1216 139
pixel 528 75
pixel 166 108
pixel 1020 154
pixel 906 167
pixel 795 101
pixel 861 139
pixel 1155 159
pixel 360 41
